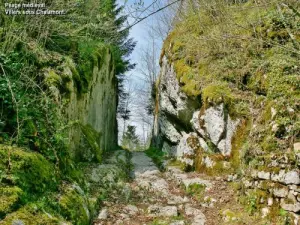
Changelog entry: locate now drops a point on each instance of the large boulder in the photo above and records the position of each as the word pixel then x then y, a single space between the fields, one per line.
pixel 215 125
pixel 174 109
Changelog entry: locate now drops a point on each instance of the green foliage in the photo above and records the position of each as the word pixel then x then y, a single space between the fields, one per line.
pixel 89 57
pixel 282 212
pixel 252 207
pixel 157 156
pixel 182 166
pixel 196 190
pixel 35 57
pixel 252 200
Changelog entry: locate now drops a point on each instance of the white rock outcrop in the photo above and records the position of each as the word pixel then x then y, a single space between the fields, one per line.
pixel 180 116
pixel 187 147
pixel 214 123
pixel 215 126
pixel 169 130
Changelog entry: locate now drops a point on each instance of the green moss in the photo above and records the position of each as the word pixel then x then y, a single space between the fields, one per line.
pixel 217 93
pixel 92 137
pixel 29 170
pixel 60 80
pixel 236 186
pixel 182 69
pixel 177 163
pixel 230 215
pixel 267 159
pixel 265 185
pixel 76 78
pixel 196 190
pixel 157 156
pixel 28 215
pixel 191 88
pixel 267 114
pixel 74 205
pixel 9 199
pixel 185 75
pixel 266 168
pixel 53 78
pixel 90 56
pixel 61 43
pixel 269 143
pixel 218 167
pixel 238 142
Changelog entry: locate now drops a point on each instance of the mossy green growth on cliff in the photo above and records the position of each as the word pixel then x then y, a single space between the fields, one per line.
pixel 90 56
pixel 224 47
pixel 92 137
pixel 217 93
pixel 29 170
pixel 245 55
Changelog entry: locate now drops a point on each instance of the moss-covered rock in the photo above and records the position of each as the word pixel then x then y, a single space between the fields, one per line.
pixel 29 170
pixel 29 215
pixel 9 198
pixel 74 205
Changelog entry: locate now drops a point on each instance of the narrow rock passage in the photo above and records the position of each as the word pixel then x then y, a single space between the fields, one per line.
pixel 155 199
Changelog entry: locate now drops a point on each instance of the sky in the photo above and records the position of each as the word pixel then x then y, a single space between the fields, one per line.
pixel 140 34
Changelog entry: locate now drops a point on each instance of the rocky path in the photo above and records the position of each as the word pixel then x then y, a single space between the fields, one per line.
pixel 165 202
pixel 172 198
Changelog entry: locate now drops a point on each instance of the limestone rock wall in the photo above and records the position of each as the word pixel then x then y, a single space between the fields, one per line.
pixel 277 181
pixel 92 113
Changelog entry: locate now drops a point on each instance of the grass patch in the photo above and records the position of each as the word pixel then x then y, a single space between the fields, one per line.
pixel 196 190
pixel 157 156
